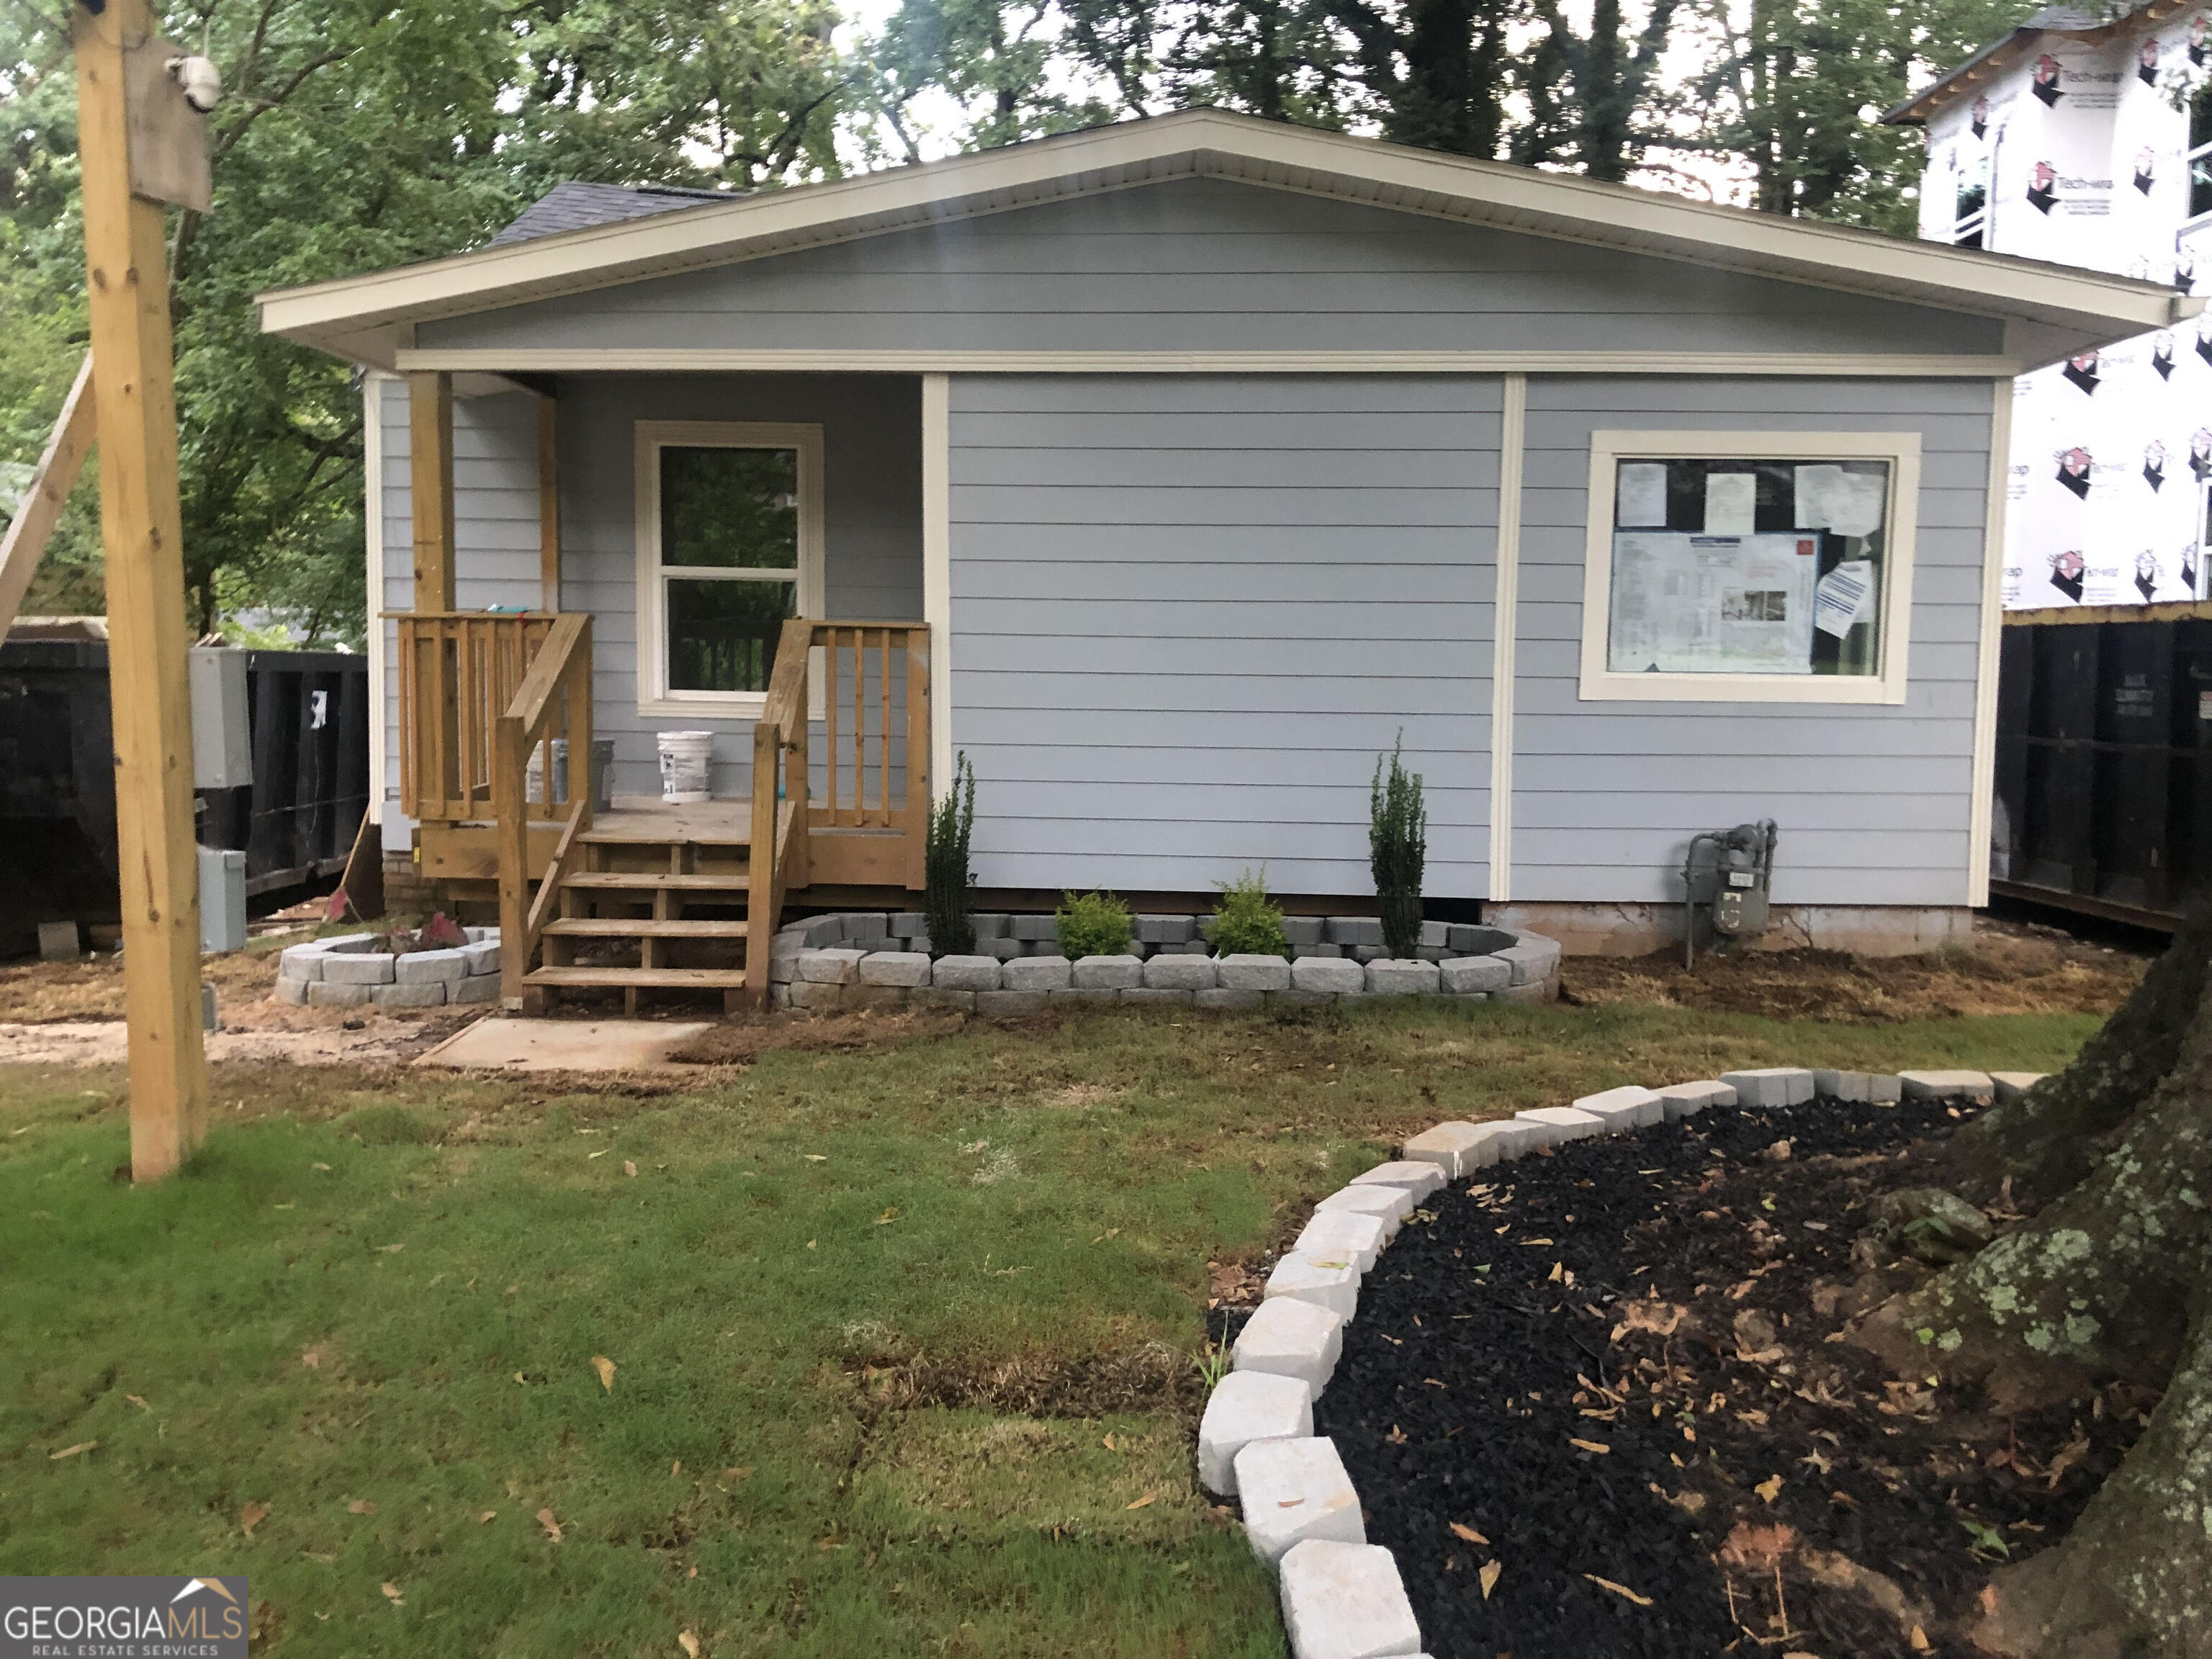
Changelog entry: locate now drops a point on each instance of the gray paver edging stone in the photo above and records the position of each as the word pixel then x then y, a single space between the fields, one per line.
pixel 1343 1598
pixel 352 970
pixel 1168 962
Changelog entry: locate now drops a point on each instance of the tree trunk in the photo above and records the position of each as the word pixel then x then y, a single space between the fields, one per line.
pixel 2047 1142
pixel 2108 1280
pixel 2134 1577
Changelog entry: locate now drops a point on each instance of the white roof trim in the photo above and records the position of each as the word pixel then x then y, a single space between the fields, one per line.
pixel 371 317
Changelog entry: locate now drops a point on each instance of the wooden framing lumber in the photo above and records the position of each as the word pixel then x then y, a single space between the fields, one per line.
pixel 40 509
pixel 126 260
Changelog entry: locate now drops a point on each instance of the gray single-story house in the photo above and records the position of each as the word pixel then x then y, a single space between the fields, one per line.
pixel 1178 467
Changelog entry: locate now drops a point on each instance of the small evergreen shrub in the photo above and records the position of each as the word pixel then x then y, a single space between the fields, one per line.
pixel 1092 925
pixel 1398 846
pixel 946 878
pixel 1247 922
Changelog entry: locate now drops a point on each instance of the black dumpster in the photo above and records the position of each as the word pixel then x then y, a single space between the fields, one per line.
pixel 2104 767
pixel 308 714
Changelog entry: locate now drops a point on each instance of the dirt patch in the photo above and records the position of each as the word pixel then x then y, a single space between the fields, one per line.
pixel 91 987
pixel 1614 1374
pixel 2010 968
pixel 1150 1378
pixel 737 1041
pixel 302 1037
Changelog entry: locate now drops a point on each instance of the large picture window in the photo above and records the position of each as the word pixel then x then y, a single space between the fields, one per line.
pixel 729 549
pixel 1737 567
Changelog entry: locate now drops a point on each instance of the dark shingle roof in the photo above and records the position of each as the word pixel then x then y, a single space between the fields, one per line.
pixel 575 206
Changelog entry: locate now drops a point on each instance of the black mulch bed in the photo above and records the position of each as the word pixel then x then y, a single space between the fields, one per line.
pixel 1473 1369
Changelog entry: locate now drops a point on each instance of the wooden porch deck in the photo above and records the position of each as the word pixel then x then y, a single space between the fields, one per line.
pixel 651 895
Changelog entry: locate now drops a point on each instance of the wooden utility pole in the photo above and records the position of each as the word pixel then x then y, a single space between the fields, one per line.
pixel 126 262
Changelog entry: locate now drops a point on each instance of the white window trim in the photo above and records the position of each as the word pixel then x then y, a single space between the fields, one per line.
pixel 1900 449
pixel 654 695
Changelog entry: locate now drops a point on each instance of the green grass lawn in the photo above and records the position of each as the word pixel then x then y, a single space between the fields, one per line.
pixel 874 1310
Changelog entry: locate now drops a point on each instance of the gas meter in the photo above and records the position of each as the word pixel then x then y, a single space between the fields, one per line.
pixel 1729 872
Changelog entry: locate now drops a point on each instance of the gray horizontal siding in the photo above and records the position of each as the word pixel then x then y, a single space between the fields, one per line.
pixel 1175 659
pixel 872 464
pixel 1207 264
pixel 496 533
pixel 871 513
pixel 1872 802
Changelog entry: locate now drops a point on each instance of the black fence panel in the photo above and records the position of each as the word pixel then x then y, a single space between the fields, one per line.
pixel 308 714
pixel 2103 766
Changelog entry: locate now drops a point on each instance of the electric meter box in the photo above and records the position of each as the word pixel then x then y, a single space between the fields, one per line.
pixel 222 746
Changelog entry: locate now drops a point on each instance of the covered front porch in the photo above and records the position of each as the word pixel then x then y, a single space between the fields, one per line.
pixel 706 616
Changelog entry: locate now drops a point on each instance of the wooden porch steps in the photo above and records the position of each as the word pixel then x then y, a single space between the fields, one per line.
pixel 652 881
pixel 631 978
pixel 642 928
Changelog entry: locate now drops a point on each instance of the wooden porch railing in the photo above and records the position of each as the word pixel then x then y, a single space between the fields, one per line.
pixel 553 700
pixel 458 670
pixel 860 713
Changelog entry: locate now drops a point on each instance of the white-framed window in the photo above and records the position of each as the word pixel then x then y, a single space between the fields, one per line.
pixel 729 548
pixel 1970 199
pixel 2197 158
pixel 1749 567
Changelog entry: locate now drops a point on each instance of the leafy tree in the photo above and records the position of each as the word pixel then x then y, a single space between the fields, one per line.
pixel 1792 87
pixel 356 134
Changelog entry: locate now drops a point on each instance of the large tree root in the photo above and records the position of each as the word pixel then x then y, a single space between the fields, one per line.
pixel 2099 1283
pixel 2050 1139
pixel 2134 1575
pixel 2112 1277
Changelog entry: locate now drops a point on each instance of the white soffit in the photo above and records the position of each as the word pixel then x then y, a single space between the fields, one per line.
pixel 371 317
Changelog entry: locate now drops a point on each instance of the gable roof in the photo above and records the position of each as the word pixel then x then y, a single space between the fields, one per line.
pixel 2057 309
pixel 577 206
pixel 2003 53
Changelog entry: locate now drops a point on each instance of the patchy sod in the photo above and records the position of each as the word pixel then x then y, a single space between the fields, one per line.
pixel 872 1299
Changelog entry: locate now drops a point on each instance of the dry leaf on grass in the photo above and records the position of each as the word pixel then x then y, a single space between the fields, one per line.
pixel 252 1517
pixel 1618 1589
pixel 71 1451
pixel 1598 1446
pixel 689 1643
pixel 1469 1534
pixel 487 1517
pixel 361 1506
pixel 605 1368
pixel 1770 1488
pixel 1488 1575
pixel 139 1401
pixel 391 1594
pixel 629 1167
pixel 389 1249
pixel 552 1527
pixel 1141 1502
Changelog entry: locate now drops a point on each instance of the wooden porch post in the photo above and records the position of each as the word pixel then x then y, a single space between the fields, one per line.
pixel 430 471
pixel 142 528
pixel 549 501
pixel 437 657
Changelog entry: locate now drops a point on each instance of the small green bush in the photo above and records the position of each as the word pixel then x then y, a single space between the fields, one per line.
pixel 1398 841
pixel 1092 925
pixel 1247 922
pixel 945 873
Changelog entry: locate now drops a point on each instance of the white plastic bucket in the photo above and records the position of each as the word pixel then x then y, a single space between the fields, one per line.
pixel 684 757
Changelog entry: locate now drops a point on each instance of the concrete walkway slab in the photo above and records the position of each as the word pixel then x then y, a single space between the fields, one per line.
pixel 565 1045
